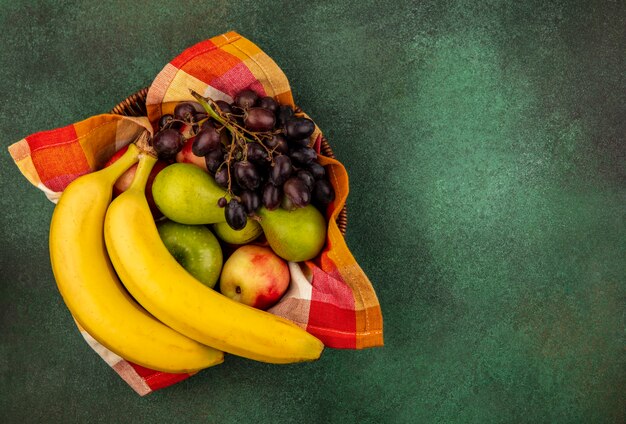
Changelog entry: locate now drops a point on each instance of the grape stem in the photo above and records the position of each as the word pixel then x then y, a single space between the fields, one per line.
pixel 209 105
pixel 238 133
pixel 230 157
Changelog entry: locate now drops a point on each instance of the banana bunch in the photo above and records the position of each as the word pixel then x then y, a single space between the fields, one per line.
pixel 101 251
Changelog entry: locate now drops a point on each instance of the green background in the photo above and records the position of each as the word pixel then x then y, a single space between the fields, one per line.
pixel 485 146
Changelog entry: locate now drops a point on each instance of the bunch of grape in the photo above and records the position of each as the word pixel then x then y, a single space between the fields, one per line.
pixel 256 149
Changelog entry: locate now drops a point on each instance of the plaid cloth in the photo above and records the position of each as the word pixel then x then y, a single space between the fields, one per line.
pixel 330 296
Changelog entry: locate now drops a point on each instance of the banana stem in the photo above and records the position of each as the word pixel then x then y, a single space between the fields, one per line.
pixel 143 143
pixel 146 162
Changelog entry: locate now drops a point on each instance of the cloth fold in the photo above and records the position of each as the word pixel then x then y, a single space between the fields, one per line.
pixel 329 296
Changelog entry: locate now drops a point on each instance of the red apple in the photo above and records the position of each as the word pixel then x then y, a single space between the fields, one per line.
pixel 125 180
pixel 255 276
pixel 186 156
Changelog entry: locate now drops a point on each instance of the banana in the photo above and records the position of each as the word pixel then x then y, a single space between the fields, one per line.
pixel 94 294
pixel 172 295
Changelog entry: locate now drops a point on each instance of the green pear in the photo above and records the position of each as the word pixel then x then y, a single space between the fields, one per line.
pixel 224 232
pixel 186 194
pixel 296 235
pixel 195 248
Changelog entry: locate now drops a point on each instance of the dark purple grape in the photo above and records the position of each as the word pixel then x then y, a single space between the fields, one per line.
pixel 234 187
pixel 224 106
pixel 258 119
pixel 307 177
pixel 236 110
pixel 281 170
pixel 323 192
pixel 206 140
pixel 214 159
pixel 225 136
pixel 246 175
pixel 303 155
pixel 199 116
pixel 223 132
pixel 165 120
pixel 251 201
pixel 256 153
pixel 185 111
pixel 272 196
pixel 283 114
pixel 167 143
pixel 317 170
pixel 221 176
pixel 235 215
pixel 209 123
pixel 296 190
pixel 268 103
pixel 264 171
pixel 246 99
pixel 302 143
pixel 278 143
pixel 222 202
pixel 299 128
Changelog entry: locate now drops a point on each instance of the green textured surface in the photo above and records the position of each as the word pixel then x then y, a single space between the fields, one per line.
pixel 485 145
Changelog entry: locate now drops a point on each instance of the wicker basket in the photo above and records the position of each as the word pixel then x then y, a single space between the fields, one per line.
pixel 135 105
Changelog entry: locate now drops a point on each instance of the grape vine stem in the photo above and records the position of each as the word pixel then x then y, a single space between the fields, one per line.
pixel 235 129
